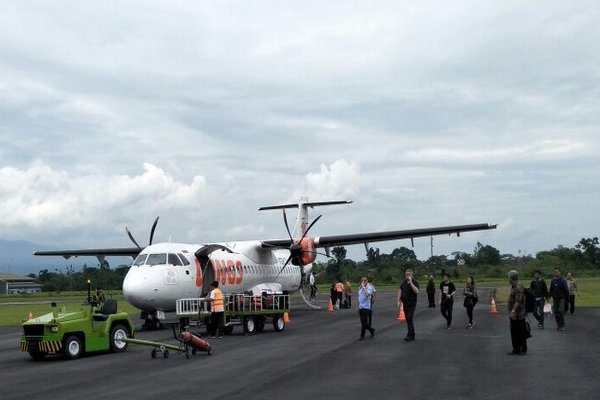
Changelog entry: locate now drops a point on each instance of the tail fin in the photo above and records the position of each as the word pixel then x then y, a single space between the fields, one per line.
pixel 302 206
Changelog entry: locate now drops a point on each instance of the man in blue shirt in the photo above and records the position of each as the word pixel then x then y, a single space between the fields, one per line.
pixel 365 296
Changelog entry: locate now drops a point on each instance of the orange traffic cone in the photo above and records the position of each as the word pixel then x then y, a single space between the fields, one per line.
pixel 493 307
pixel 330 306
pixel 286 318
pixel 30 315
pixel 401 316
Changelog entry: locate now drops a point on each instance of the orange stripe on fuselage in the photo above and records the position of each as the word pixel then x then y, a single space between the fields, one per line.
pixel 199 278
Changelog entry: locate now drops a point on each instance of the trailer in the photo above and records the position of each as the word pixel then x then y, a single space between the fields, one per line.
pixel 189 342
pixel 251 312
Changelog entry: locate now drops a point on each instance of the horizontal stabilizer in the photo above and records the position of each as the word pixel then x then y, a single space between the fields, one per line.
pixel 307 204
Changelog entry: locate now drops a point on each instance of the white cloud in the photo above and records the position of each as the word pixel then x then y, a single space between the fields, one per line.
pixel 422 114
pixel 43 198
pixel 338 181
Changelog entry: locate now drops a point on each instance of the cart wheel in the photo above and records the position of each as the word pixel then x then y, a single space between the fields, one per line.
pixel 249 326
pixel 153 353
pixel 166 353
pixel 278 323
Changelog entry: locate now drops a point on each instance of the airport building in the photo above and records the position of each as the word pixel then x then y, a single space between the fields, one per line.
pixel 13 284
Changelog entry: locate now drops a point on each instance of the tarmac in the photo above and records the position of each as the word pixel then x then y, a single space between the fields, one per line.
pixel 318 356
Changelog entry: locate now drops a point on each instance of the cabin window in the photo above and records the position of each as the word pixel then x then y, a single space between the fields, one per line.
pixel 184 260
pixel 173 259
pixel 140 259
pixel 155 259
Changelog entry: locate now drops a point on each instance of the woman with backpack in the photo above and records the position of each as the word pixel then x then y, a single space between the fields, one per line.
pixel 470 295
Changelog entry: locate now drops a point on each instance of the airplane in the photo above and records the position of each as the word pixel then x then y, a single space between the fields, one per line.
pixel 161 273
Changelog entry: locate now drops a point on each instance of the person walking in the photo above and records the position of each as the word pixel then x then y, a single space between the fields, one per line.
pixel 339 289
pixel 471 298
pixel 348 293
pixel 312 283
pixel 517 314
pixel 409 288
pixel 365 296
pixel 540 291
pixel 431 291
pixel 559 291
pixel 332 294
pixel 570 304
pixel 447 290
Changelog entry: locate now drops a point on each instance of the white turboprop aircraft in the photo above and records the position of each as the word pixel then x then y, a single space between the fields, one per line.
pixel 164 272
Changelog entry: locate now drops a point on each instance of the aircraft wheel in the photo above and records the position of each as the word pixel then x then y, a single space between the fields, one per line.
pixel 249 325
pixel 166 353
pixel 73 347
pixel 153 353
pixel 278 323
pixel 117 334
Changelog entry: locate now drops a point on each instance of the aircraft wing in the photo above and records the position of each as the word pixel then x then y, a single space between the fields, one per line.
pixel 122 251
pixel 357 238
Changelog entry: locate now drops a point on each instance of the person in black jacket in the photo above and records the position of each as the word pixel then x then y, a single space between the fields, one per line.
pixel 540 291
pixel 431 292
pixel 447 290
pixel 408 296
pixel 559 290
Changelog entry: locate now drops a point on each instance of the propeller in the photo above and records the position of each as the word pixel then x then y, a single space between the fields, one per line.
pixel 151 234
pixel 296 249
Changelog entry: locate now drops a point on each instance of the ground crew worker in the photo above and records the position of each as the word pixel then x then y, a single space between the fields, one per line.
pixel 100 298
pixel 217 308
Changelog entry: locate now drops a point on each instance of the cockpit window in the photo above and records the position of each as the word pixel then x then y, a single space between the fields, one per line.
pixel 155 259
pixel 140 260
pixel 184 259
pixel 173 259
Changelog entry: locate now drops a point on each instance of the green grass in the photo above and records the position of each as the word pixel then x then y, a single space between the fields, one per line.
pixel 15 314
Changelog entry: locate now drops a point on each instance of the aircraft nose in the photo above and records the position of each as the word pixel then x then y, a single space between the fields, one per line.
pixel 139 290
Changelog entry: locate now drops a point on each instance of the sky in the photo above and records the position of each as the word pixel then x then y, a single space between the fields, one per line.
pixel 116 112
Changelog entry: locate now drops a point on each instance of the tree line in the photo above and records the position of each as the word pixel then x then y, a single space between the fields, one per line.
pixel 485 261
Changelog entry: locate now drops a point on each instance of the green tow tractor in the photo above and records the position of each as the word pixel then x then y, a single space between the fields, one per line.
pixel 75 331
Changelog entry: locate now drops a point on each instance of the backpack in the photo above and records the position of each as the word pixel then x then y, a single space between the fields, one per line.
pixel 529 300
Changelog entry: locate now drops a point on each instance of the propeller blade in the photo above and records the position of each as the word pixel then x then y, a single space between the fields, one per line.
pixel 310 226
pixel 132 239
pixel 286 224
pixel 284 265
pixel 152 230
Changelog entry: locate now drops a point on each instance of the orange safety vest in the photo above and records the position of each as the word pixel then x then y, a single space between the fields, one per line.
pixel 217 300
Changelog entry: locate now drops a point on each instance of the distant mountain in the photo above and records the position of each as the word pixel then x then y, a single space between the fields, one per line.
pixel 16 257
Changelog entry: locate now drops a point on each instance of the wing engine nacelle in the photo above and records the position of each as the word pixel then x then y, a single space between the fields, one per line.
pixel 305 252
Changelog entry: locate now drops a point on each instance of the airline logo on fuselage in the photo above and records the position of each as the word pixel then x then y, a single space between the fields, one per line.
pixel 228 272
